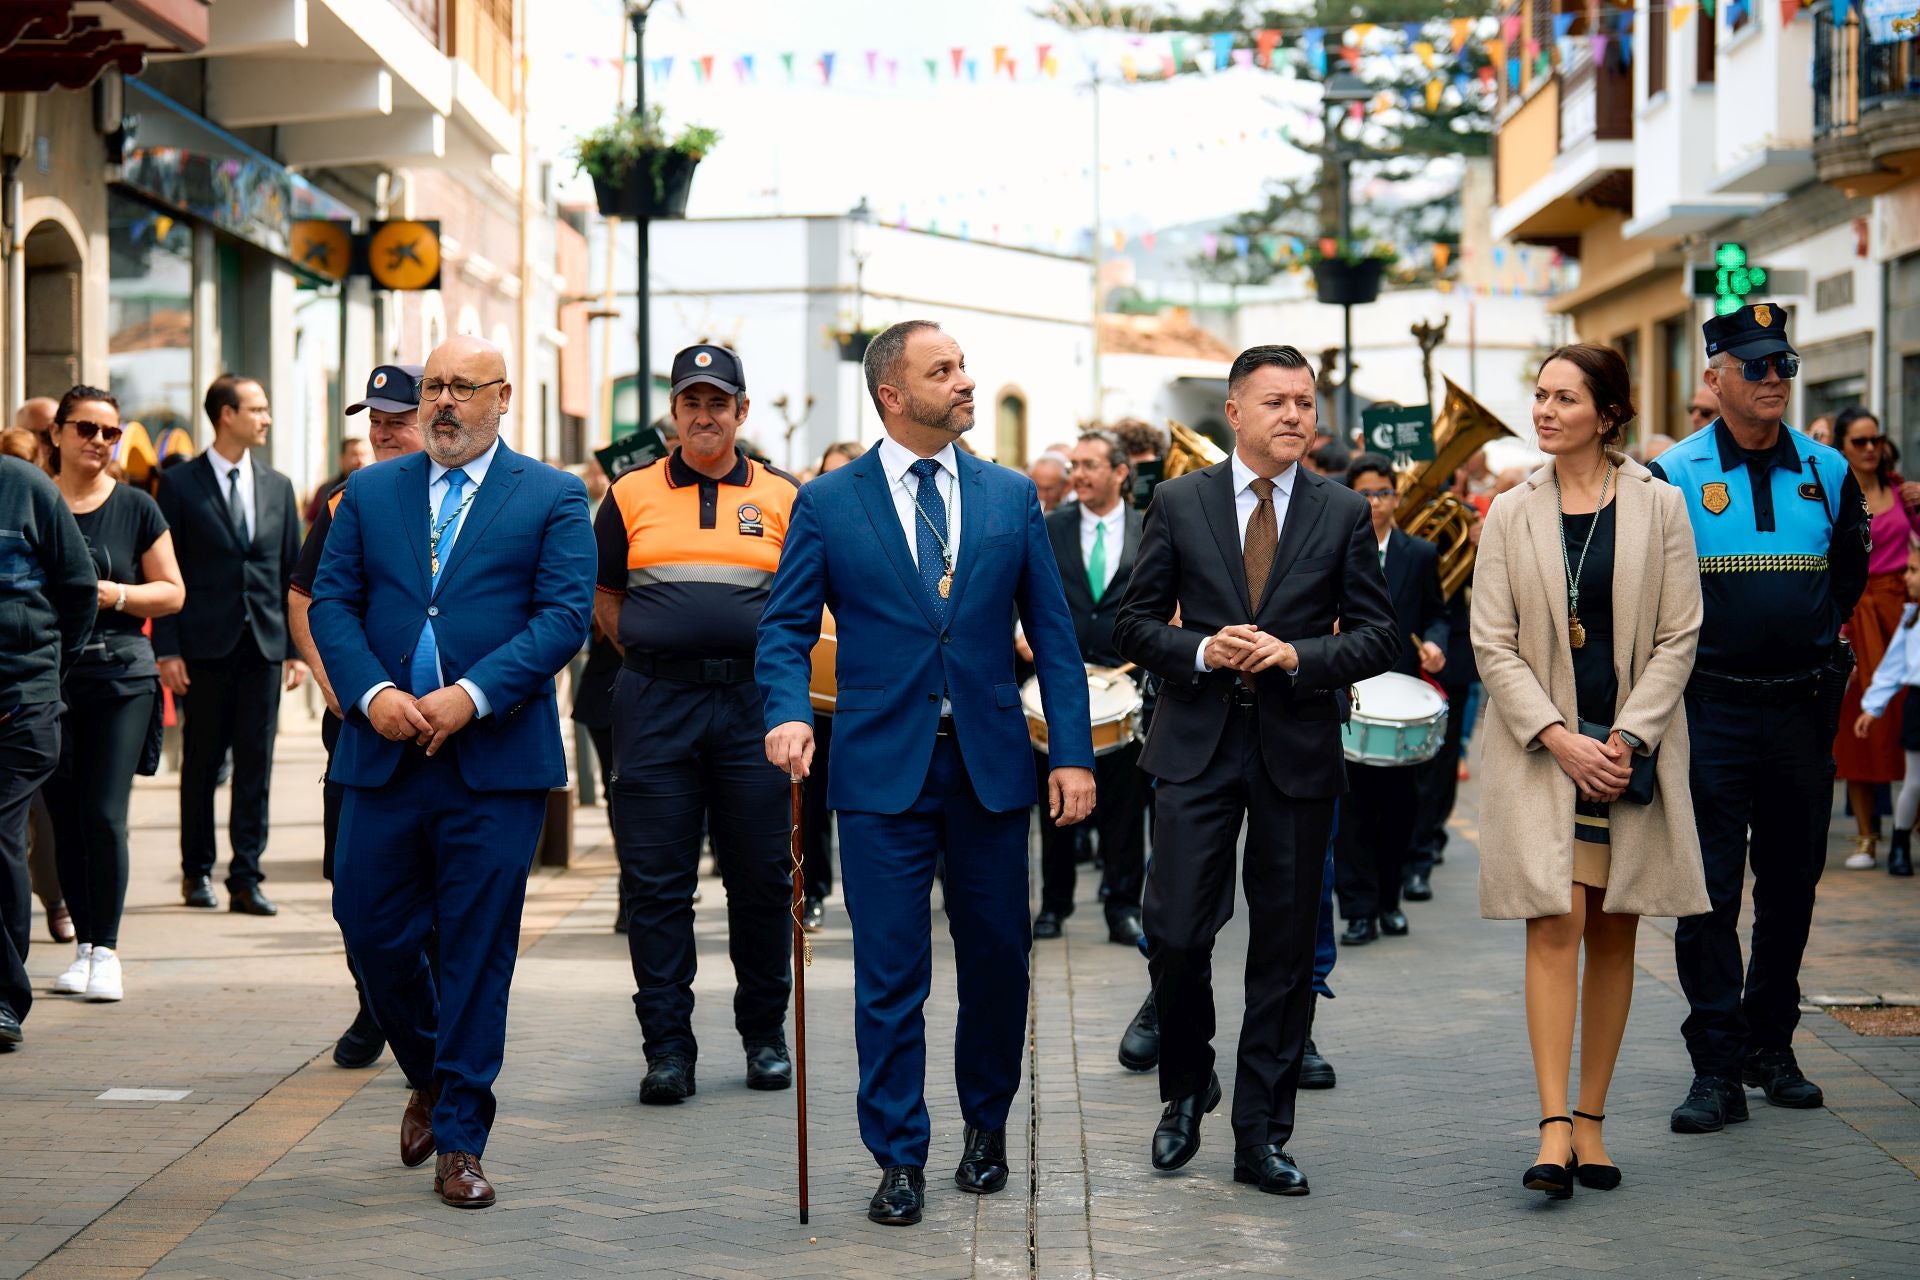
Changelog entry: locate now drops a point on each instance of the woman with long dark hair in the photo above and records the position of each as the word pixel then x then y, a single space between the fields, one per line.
pixel 1586 610
pixel 108 732
pixel 1866 763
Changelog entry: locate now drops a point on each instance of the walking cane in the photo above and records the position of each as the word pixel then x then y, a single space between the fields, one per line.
pixel 802 957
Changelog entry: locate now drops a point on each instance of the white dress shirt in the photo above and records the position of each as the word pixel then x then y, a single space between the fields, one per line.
pixel 1245 500
pixel 1116 526
pixel 436 493
pixel 224 466
pixel 896 460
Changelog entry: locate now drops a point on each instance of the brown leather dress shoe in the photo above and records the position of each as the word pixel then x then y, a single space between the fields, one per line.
pixel 460 1182
pixel 416 1128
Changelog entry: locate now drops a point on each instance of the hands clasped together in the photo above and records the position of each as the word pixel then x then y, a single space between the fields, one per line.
pixel 1245 647
pixel 429 721
pixel 1600 770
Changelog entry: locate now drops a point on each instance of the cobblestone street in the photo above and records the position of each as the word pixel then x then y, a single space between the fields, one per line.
pixel 270 1161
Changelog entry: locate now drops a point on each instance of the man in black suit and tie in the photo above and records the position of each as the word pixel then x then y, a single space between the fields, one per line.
pixel 1371 862
pixel 1095 541
pixel 1258 558
pixel 236 528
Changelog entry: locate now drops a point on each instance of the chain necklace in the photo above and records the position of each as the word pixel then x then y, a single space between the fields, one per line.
pixel 1576 632
pixel 945 584
pixel 434 536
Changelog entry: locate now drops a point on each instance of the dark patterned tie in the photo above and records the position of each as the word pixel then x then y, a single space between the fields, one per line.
pixel 930 528
pixel 236 511
pixel 1263 539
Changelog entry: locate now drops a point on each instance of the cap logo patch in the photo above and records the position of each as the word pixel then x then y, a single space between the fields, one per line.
pixel 1714 497
pixel 702 359
pixel 1763 316
pixel 379 381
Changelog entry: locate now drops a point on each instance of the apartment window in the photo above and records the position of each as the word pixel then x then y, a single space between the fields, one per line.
pixel 1655 26
pixel 1010 429
pixel 1705 26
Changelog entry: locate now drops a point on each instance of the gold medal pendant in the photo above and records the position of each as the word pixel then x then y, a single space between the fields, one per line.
pixel 1576 632
pixel 945 585
pixel 435 567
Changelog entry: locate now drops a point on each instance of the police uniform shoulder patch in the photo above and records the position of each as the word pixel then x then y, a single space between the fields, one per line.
pixel 1714 496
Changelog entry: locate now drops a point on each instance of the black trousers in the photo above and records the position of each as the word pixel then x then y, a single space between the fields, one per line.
pixel 1118 822
pixel 331 794
pixel 1762 782
pixel 102 737
pixel 1189 897
pixel 29 749
pixel 1439 786
pixel 1369 867
pixel 816 835
pixel 686 754
pixel 233 703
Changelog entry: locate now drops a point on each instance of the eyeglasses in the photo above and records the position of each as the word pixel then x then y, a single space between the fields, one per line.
pixel 430 388
pixel 1377 495
pixel 88 430
pixel 1867 442
pixel 1082 464
pixel 1756 370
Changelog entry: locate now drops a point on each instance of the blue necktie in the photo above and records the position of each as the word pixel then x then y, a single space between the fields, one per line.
pixel 426 654
pixel 930 526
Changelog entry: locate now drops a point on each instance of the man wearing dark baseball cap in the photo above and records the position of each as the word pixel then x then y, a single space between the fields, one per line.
pixel 715 366
pixel 1781 532
pixel 392 406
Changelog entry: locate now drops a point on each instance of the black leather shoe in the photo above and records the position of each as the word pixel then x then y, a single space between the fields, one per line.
pixel 813 916
pixel 1140 1043
pixel 1123 926
pixel 1554 1179
pixel 1176 1139
pixel 1047 924
pixel 1774 1072
pixel 10 1033
pixel 1270 1169
pixel 1713 1103
pixel 197 891
pixel 1394 923
pixel 768 1067
pixel 668 1081
pixel 1360 932
pixel 361 1044
pixel 1315 1071
pixel 1596 1177
pixel 1417 888
pixel 902 1193
pixel 252 902
pixel 983 1169
pixel 1900 861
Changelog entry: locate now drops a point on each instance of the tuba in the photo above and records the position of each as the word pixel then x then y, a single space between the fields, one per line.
pixel 1188 451
pixel 1427 509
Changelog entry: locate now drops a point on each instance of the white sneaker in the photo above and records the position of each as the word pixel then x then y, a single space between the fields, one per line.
pixel 103 983
pixel 1862 861
pixel 74 980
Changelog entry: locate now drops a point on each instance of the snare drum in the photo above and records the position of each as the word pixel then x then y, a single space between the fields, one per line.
pixel 1112 697
pixel 1396 720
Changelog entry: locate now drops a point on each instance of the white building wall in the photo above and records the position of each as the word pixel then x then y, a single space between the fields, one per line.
pixel 1764 99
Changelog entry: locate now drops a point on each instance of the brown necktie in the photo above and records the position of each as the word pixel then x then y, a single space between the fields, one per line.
pixel 1263 539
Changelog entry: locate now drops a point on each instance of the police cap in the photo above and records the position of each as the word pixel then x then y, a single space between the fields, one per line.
pixel 1749 333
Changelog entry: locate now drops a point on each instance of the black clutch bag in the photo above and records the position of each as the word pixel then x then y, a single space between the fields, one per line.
pixel 1640 786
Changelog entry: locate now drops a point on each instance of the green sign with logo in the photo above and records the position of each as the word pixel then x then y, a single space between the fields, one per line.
pixel 631 452
pixel 1404 431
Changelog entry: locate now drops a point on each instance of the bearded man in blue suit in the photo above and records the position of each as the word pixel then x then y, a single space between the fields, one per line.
pixel 455 583
pixel 924 553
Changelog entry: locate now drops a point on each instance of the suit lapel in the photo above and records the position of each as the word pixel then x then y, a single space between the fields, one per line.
pixel 260 474
pixel 1304 508
pixel 1132 529
pixel 871 484
pixel 1217 503
pixel 973 489
pixel 503 477
pixel 412 484
pixel 217 494
pixel 1065 536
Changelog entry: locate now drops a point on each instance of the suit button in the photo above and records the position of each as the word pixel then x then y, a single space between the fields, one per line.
pixel 433 611
pixel 946 639
pixel 933 697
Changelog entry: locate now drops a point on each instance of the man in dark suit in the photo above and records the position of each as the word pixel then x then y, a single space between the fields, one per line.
pixel 236 529
pixel 1095 541
pixel 1258 559
pixel 1372 860
pixel 923 552
pixel 454 585
pixel 1440 777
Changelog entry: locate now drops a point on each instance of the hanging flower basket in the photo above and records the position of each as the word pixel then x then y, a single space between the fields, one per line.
pixel 853 344
pixel 637 170
pixel 657 186
pixel 1342 282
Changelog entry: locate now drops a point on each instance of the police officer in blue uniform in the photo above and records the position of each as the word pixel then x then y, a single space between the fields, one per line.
pixel 1782 532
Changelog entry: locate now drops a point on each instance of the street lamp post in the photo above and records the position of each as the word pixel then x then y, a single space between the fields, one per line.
pixel 859 217
pixel 1341 89
pixel 643 303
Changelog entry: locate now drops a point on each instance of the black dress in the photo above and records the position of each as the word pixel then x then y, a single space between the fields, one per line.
pixel 1596 687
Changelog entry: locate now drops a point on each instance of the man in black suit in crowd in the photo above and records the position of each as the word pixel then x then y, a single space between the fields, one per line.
pixel 1258 558
pixel 1369 865
pixel 1440 777
pixel 236 529
pixel 1095 542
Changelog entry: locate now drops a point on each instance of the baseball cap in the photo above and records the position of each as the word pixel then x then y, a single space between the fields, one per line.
pixel 1749 333
pixel 704 362
pixel 394 388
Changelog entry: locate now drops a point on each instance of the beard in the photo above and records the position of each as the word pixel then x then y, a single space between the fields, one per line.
pixel 453 443
pixel 956 419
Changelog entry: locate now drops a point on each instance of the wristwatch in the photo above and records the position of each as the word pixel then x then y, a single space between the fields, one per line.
pixel 121 604
pixel 1630 740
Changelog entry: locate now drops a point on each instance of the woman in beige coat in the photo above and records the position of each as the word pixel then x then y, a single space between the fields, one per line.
pixel 1586 608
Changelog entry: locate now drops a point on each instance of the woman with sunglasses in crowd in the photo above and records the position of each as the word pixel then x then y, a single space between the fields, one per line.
pixel 110 728
pixel 1867 762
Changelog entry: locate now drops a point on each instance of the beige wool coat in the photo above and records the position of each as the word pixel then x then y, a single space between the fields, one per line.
pixel 1526 663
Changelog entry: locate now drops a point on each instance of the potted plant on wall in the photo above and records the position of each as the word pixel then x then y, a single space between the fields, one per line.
pixel 1343 275
pixel 637 170
pixel 853 342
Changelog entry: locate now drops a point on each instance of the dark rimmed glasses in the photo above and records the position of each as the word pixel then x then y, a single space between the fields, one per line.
pixel 88 430
pixel 430 388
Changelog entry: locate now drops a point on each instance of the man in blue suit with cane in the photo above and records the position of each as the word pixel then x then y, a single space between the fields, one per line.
pixel 924 554
pixel 454 585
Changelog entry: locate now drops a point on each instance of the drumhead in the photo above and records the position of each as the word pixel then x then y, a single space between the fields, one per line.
pixel 1392 696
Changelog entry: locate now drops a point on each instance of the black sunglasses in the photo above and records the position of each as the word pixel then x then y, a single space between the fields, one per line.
pixel 88 430
pixel 1756 370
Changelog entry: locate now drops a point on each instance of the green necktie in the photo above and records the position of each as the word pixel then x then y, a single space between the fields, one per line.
pixel 1097 562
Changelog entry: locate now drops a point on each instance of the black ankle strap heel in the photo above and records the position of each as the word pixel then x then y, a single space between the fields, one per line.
pixel 1597 1177
pixel 1556 1180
